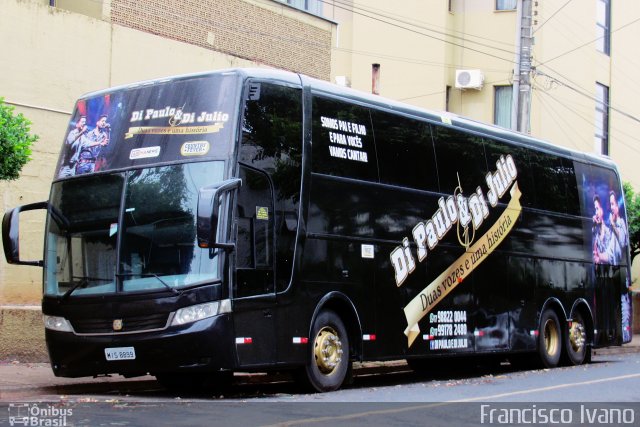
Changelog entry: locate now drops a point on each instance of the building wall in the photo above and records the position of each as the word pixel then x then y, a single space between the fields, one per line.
pixel 51 58
pixel 401 39
pixel 420 45
pixel 54 56
pixel 268 32
pixel 625 91
pixel 560 113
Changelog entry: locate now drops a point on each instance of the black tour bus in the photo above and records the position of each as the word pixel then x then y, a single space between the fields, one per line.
pixel 259 220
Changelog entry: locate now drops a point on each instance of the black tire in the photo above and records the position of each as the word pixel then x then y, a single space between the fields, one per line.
pixel 549 339
pixel 328 363
pixel 576 347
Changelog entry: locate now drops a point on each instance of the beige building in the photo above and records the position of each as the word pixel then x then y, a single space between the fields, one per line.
pixel 455 55
pixel 57 50
pixel 583 58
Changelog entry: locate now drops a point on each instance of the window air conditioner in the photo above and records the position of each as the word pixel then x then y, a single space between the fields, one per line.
pixel 469 79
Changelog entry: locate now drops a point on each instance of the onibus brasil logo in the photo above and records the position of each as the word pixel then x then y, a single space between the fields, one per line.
pixel 33 414
pixel 468 214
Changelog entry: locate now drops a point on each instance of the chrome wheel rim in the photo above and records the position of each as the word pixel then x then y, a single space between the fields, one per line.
pixel 328 350
pixel 577 336
pixel 551 337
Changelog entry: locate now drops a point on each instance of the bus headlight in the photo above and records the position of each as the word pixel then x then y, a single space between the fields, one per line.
pixel 57 323
pixel 200 311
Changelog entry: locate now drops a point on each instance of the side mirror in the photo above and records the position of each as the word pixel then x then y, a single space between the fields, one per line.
pixel 208 208
pixel 11 233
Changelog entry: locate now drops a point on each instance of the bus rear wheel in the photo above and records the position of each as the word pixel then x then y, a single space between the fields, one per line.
pixel 576 347
pixel 549 339
pixel 329 361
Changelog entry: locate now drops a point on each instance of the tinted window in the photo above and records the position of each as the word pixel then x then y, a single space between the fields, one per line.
pixel 460 156
pixel 272 142
pixel 572 204
pixel 497 149
pixel 405 150
pixel 272 129
pixel 343 140
pixel 549 180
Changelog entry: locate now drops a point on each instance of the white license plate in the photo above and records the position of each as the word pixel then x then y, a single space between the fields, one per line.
pixel 120 353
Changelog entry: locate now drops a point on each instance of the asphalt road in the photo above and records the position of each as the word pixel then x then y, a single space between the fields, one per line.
pixel 382 394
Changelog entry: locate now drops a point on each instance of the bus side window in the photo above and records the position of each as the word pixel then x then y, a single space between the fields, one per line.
pixel 551 189
pixel 254 245
pixel 343 140
pixel 572 200
pixel 272 142
pixel 461 160
pixel 405 150
pixel 255 220
pixel 497 149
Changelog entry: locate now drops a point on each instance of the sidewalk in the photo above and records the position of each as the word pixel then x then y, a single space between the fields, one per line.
pixel 18 378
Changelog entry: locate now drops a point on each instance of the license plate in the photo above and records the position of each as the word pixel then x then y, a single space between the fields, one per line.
pixel 120 353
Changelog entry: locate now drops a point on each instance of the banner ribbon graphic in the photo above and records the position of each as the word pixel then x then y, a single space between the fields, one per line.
pixel 439 288
pixel 182 130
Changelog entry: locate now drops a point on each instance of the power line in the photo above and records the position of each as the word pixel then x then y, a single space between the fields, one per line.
pixel 608 105
pixel 551 17
pixel 443 91
pixel 298 40
pixel 340 5
pixel 588 121
pixel 352 8
pixel 554 115
pixel 586 44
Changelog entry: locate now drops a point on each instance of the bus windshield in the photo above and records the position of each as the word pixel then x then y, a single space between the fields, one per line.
pixel 132 231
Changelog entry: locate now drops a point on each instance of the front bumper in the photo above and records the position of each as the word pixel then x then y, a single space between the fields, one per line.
pixel 203 346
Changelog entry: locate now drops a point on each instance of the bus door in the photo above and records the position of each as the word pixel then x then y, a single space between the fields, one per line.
pixel 254 285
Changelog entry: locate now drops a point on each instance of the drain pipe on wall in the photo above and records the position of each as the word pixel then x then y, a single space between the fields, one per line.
pixel 375 79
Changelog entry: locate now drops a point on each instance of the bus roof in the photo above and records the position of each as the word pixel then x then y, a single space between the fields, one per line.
pixel 378 101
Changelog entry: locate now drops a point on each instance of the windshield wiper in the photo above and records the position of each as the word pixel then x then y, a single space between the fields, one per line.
pixel 165 284
pixel 82 283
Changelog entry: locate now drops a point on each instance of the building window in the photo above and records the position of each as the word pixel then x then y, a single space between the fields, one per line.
pixel 447 99
pixel 506 4
pixel 603 26
pixel 602 119
pixel 311 6
pixel 502 106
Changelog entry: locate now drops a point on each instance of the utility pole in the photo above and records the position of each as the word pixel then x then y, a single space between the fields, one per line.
pixel 521 101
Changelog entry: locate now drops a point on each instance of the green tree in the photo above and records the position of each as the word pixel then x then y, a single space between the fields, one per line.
pixel 632 205
pixel 15 142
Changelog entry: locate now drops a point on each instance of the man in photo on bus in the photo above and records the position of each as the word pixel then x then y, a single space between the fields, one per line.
pixel 92 144
pixel 603 243
pixel 71 145
pixel 618 227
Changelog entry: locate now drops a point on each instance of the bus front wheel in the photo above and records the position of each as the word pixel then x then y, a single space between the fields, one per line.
pixel 329 361
pixel 549 339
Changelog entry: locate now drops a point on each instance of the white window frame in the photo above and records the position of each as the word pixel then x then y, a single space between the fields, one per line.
pixel 601 133
pixel 502 105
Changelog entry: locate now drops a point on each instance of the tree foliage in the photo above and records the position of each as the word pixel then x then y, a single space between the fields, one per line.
pixel 632 204
pixel 15 142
